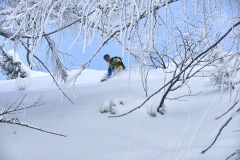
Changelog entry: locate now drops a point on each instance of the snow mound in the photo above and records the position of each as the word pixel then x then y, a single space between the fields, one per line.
pixel 23 83
pixel 113 106
pixel 152 109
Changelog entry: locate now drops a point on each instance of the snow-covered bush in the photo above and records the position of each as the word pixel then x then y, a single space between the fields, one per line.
pixel 152 109
pixel 226 70
pixel 112 105
pixel 120 105
pixel 12 66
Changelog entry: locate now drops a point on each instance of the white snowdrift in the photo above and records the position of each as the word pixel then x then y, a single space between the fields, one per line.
pixel 182 133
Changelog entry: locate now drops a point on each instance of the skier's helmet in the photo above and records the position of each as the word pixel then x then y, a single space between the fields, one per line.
pixel 106 57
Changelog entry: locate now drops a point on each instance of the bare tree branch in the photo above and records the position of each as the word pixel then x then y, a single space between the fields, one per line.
pixel 220 131
pixel 235 153
pixel 177 76
pixel 54 79
pixel 15 107
pixel 227 111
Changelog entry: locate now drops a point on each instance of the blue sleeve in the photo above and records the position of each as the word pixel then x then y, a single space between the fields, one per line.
pixel 110 67
pixel 109 72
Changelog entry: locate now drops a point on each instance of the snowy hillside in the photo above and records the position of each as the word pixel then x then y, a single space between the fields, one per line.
pixel 182 133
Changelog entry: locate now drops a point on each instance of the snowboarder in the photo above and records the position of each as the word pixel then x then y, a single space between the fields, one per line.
pixel 115 65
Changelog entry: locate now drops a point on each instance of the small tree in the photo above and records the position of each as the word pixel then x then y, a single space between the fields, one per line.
pixel 225 69
pixel 11 67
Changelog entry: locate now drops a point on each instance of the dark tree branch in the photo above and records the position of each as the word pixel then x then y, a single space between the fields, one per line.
pixel 219 132
pixel 53 79
pixel 237 152
pixel 227 111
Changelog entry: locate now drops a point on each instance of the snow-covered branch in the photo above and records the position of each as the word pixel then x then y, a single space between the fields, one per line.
pixel 12 66
pixel 17 122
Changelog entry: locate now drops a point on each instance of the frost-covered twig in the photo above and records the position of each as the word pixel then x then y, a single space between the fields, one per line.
pixel 144 77
pixel 18 105
pixel 60 70
pixel 9 109
pixel 16 121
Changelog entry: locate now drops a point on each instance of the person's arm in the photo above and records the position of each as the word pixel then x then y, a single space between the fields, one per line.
pixel 108 74
pixel 111 67
pixel 109 71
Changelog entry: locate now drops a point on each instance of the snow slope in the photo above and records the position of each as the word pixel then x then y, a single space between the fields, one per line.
pixel 187 128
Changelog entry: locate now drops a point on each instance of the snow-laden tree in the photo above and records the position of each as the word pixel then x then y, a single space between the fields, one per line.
pixel 11 66
pixel 148 29
pixel 182 37
pixel 226 70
